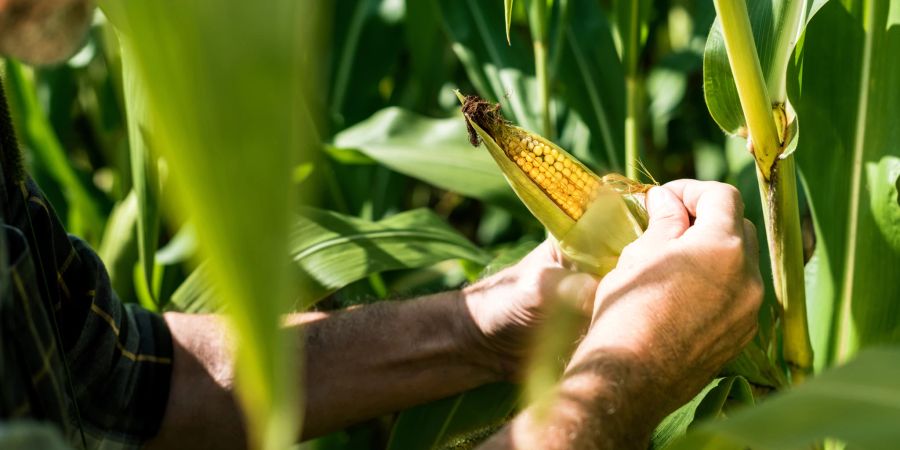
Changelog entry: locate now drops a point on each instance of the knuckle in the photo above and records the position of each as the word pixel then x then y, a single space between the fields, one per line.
pixel 729 189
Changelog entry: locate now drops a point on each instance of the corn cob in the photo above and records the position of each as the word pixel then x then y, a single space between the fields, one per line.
pixel 592 218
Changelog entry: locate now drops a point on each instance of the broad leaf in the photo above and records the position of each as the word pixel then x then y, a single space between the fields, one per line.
pixel 428 426
pixel 858 403
pixel 229 120
pixel 435 151
pixel 332 250
pixel 708 404
pixel 845 86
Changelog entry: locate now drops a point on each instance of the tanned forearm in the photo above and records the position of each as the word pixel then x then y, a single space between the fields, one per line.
pixel 599 405
pixel 389 356
pixel 361 363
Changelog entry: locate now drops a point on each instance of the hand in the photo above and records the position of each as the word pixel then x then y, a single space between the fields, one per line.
pixel 681 302
pixel 684 297
pixel 508 307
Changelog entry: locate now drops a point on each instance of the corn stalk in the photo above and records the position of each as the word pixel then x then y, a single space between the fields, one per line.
pixel 630 51
pixel 537 17
pixel 776 174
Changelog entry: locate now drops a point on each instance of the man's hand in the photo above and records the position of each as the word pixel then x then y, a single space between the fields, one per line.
pixel 684 297
pixel 681 303
pixel 508 307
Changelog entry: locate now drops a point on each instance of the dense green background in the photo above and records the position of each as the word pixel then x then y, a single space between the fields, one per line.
pixel 351 154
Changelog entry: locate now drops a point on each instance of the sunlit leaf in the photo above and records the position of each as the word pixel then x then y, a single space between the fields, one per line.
pixel 432 150
pixel 858 403
pixel 229 119
pixel 848 124
pixel 332 250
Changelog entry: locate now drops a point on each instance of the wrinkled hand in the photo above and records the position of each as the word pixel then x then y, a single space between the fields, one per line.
pixel 684 297
pixel 509 306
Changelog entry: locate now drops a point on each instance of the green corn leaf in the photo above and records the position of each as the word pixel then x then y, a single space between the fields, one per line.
pixel 144 170
pixel 119 248
pixel 228 119
pixel 332 250
pixel 708 404
pixel 593 82
pixel 858 403
pixel 432 150
pixel 362 57
pixel 497 71
pixel 85 217
pixel 849 124
pixel 431 425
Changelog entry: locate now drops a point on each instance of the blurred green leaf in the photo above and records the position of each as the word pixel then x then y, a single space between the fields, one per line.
pixel 119 248
pixel 592 82
pixel 858 403
pixel 363 58
pixel 428 426
pixel 497 71
pixel 332 250
pixel 224 87
pixel 432 150
pixel 144 173
pixel 848 123
pixel 85 217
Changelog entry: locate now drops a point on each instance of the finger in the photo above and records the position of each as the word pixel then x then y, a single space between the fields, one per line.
pixel 714 205
pixel 668 218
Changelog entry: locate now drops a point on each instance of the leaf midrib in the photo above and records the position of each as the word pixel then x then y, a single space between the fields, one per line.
pixel 847 340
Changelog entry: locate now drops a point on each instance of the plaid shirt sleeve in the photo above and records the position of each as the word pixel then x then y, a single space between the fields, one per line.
pixel 71 353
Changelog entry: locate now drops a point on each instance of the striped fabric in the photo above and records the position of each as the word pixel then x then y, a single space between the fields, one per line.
pixel 72 355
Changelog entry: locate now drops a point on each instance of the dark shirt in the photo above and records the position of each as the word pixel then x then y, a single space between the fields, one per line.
pixel 73 357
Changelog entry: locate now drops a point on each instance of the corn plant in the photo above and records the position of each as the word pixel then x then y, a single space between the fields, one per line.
pixel 342 118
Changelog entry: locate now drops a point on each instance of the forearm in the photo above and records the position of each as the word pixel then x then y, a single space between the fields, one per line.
pixel 360 363
pixel 389 356
pixel 599 405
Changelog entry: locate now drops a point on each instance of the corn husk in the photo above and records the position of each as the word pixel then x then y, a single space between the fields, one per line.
pixel 591 236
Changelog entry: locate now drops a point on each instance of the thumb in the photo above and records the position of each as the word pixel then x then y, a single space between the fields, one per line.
pixel 668 218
